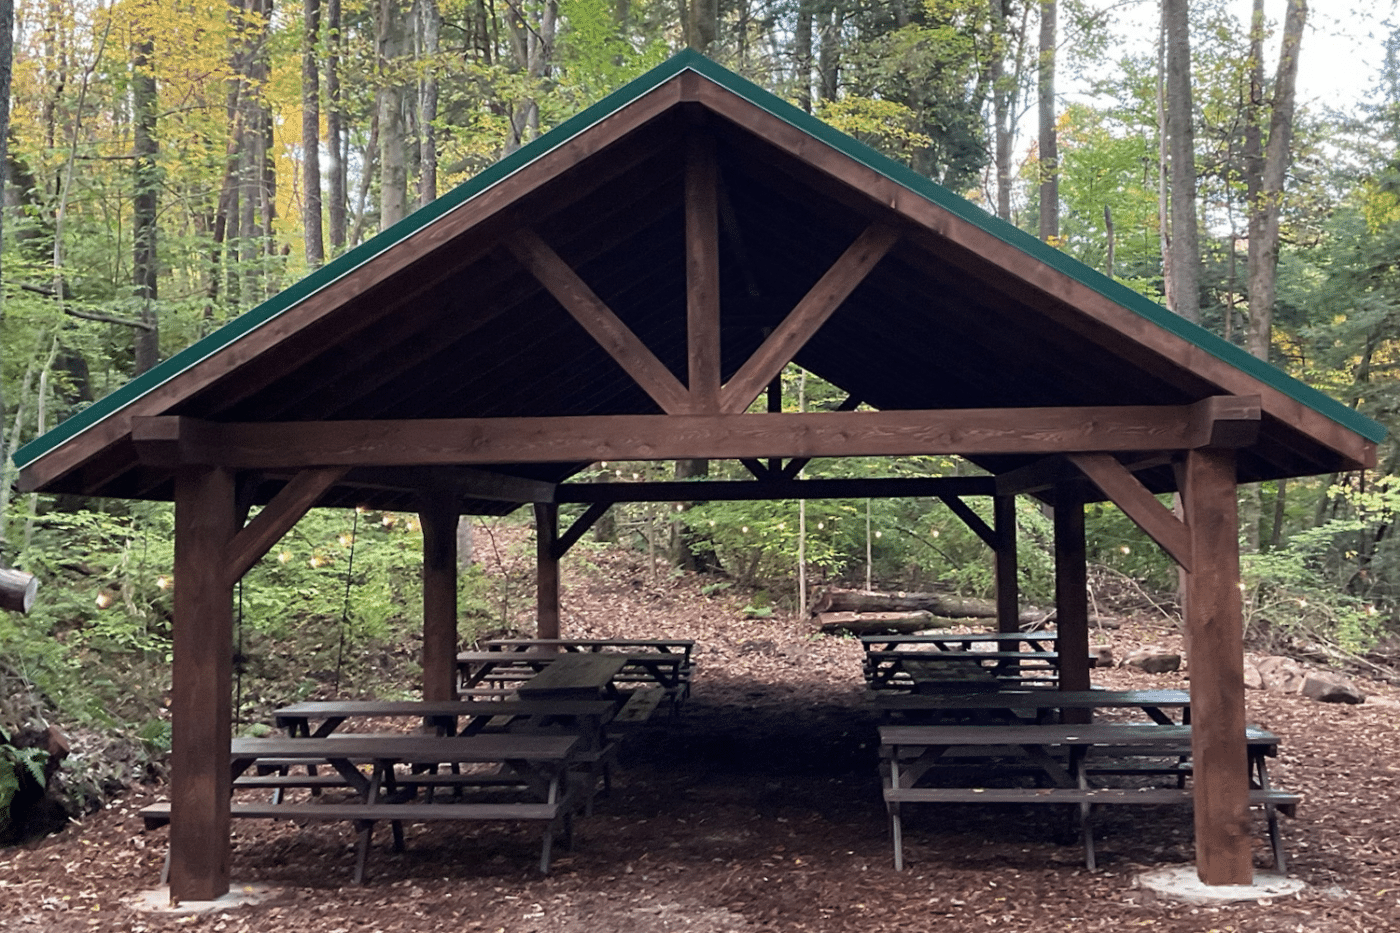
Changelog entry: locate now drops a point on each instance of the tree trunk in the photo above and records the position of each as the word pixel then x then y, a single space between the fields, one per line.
pixel 7 55
pixel 338 181
pixel 311 136
pixel 143 203
pixel 829 55
pixel 802 54
pixel 1185 245
pixel 1003 90
pixel 1049 144
pixel 393 172
pixel 702 24
pixel 428 25
pixel 1265 206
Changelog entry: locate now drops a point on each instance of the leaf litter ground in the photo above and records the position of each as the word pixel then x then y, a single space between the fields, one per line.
pixel 759 808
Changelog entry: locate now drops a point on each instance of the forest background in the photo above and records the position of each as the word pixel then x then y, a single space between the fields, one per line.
pixel 170 165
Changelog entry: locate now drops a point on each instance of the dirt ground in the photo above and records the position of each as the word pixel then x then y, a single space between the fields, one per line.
pixel 759 808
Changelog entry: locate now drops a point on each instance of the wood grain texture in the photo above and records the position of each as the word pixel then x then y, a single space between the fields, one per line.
pixel 546 570
pixel 278 517
pixel 702 272
pixel 438 519
pixel 1215 642
pixel 1026 276
pixel 1007 586
pixel 810 314
pixel 360 280
pixel 1155 519
pixel 770 490
pixel 468 441
pixel 1071 595
pixel 598 319
pixel 201 685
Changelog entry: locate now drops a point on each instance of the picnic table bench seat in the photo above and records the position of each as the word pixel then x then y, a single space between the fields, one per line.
pixel 556 817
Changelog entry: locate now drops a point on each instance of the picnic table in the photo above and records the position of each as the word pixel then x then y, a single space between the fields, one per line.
pixel 962 641
pixel 1041 705
pixel 1063 755
pixel 666 663
pixel 537 765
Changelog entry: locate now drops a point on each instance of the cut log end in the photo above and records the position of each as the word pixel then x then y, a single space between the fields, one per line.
pixel 17 590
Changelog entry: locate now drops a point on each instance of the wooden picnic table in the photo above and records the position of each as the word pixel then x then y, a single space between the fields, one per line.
pixel 961 641
pixel 449 717
pixel 1062 754
pixel 575 676
pixel 520 665
pixel 939 669
pixel 1041 703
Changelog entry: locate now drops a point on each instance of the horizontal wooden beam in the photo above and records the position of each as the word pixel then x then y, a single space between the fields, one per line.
pixel 742 491
pixel 175 440
pixel 462 482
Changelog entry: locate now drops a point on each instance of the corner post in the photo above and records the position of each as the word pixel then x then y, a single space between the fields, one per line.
pixel 546 570
pixel 202 685
pixel 1008 590
pixel 438 516
pixel 1215 644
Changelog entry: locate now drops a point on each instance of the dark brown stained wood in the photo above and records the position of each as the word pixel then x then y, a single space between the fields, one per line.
pixel 546 570
pixel 971 519
pixel 170 441
pixel 702 273
pixel 811 312
pixel 1007 585
pixel 757 467
pixel 794 467
pixel 277 518
pixel 462 482
pixel 1040 475
pixel 359 281
pixel 774 490
pixel 1072 597
pixel 1215 641
pixel 201 685
pixel 579 528
pixel 1130 495
pixel 438 519
pixel 847 179
pixel 599 320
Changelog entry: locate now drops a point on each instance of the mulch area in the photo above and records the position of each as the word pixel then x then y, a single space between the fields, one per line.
pixel 759 807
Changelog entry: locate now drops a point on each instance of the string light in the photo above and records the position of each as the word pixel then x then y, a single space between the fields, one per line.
pixel 283 557
pixel 388 520
pixel 1125 549
pixel 316 561
pixel 162 583
pixel 104 599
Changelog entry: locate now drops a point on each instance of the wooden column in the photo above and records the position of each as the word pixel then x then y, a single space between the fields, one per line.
pixel 202 685
pixel 1215 645
pixel 1071 596
pixel 439 519
pixel 546 570
pixel 1008 590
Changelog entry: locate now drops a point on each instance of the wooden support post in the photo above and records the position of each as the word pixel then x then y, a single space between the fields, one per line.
pixel 438 517
pixel 1215 643
pixel 702 272
pixel 1072 596
pixel 546 570
pixel 202 685
pixel 1008 589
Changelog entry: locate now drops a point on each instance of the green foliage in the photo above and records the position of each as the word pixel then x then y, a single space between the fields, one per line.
pixel 17 765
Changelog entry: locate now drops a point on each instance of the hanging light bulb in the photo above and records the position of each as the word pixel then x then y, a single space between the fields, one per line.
pixel 104 599
pixel 162 583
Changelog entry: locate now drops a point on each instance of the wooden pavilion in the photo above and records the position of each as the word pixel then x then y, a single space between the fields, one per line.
pixel 628 287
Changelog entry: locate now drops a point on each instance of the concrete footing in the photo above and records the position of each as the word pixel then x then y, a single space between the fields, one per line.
pixel 239 895
pixel 1181 884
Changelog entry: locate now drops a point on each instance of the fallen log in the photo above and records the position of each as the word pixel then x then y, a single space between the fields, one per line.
pixel 880 623
pixel 17 590
pixel 835 599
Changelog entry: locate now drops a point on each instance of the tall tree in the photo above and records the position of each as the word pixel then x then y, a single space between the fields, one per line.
pixel 144 202
pixel 1049 144
pixel 311 134
pixel 393 154
pixel 427 22
pixel 337 184
pixel 7 56
pixel 1266 175
pixel 1184 290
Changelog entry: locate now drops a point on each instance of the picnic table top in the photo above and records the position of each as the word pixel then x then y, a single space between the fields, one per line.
pixel 934 638
pixel 1033 699
pixel 498 658
pixel 1094 734
pixel 317 709
pixel 575 673
pixel 950 657
pixel 413 749
pixel 662 645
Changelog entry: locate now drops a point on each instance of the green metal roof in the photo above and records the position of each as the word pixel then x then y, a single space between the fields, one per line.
pixel 693 61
